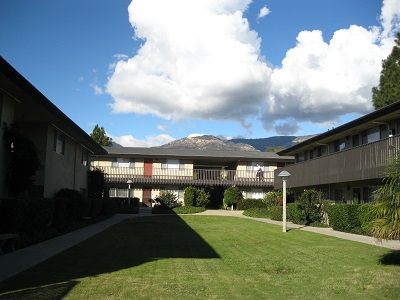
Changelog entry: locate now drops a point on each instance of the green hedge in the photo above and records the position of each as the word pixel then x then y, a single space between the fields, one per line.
pixel 246 204
pixel 256 212
pixel 352 218
pixel 276 213
pixel 296 214
pixel 25 215
pixel 188 210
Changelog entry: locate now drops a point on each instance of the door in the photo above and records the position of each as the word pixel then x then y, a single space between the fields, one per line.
pixel 148 168
pixel 147 196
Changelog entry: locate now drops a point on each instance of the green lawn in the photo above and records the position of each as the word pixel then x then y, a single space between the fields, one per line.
pixel 209 257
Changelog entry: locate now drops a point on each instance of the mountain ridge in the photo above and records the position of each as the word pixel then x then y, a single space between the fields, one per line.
pixel 210 142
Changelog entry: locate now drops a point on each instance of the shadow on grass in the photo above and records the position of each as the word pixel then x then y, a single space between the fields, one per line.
pixel 128 244
pixel 392 258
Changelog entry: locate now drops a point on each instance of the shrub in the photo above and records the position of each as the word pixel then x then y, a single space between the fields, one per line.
pixel 296 214
pixel 343 217
pixel 353 218
pixel 188 210
pixel 276 213
pixel 74 205
pixel 38 214
pixel 203 198
pixel 231 196
pixel 11 217
pixel 310 201
pixel 189 197
pixel 60 217
pixel 96 183
pixel 366 216
pixel 257 212
pixel 272 198
pixel 96 206
pixel 246 204
pixel 167 199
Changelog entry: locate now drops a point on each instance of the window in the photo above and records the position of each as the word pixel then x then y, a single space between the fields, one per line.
pixel 118 192
pixel 339 196
pixel 123 162
pixel 339 145
pixel 175 164
pixel 356 140
pixel 255 194
pixel 371 135
pixel 59 142
pixel 84 160
pixel 322 150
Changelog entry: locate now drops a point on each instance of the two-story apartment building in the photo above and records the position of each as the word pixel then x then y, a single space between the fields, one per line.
pixel 64 148
pixel 347 163
pixel 144 172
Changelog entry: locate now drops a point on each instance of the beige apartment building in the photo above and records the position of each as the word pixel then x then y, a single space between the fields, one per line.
pixel 145 172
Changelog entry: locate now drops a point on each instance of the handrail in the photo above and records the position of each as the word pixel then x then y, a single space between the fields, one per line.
pixel 186 176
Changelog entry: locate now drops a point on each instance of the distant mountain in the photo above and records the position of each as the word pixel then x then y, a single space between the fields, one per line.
pixel 264 143
pixel 207 142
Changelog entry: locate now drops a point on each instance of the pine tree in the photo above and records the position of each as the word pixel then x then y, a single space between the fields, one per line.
pixel 99 135
pixel 388 90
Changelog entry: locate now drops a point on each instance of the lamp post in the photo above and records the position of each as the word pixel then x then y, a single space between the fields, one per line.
pixel 129 191
pixel 284 174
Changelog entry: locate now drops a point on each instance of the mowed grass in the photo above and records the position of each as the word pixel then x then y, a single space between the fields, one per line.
pixel 209 257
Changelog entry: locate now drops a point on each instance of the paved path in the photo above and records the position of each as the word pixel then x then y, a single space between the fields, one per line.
pixel 23 259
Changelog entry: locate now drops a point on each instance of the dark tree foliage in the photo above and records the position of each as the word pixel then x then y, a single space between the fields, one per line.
pixel 99 135
pixel 388 91
pixel 23 161
pixel 96 183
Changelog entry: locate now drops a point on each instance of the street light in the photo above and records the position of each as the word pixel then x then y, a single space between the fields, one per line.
pixel 129 191
pixel 284 174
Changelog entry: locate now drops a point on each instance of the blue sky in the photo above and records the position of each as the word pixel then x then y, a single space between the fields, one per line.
pixel 151 71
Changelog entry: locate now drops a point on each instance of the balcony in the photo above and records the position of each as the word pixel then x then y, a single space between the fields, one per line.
pixel 366 162
pixel 187 177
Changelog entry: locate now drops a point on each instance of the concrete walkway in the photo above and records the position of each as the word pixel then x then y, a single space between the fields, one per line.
pixel 23 259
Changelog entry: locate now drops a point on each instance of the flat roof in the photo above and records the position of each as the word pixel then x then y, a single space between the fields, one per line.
pixel 196 154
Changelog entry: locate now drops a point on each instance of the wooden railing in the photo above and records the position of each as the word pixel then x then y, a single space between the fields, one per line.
pixel 364 162
pixel 187 177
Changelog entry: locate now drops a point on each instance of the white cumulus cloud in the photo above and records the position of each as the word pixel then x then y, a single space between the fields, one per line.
pixel 200 59
pixel 150 141
pixel 321 81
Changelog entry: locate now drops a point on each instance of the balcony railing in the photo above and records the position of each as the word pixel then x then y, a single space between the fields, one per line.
pixel 364 162
pixel 115 175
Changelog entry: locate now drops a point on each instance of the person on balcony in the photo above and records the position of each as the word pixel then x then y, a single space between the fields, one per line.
pixel 259 173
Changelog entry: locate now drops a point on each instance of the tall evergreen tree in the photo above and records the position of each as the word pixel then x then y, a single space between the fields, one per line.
pixel 388 90
pixel 99 135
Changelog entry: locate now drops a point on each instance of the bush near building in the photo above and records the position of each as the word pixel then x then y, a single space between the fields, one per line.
pixel 37 219
pixel 246 204
pixel 196 196
pixel 352 218
pixel 232 195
